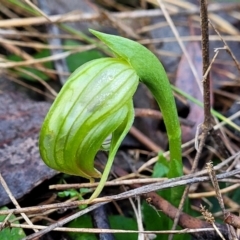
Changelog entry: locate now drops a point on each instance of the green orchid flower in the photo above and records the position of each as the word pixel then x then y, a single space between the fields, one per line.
pixel 94 109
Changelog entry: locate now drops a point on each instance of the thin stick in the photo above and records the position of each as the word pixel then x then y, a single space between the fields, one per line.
pixel 207 125
pixel 110 183
pixel 125 195
pixel 14 201
pixel 60 64
pixel 173 182
pixel 227 47
pixel 34 76
pixel 13 79
pixel 10 64
pixel 180 42
pixel 37 9
pixel 216 187
pixel 94 230
pixel 76 17
pixel 145 140
pixel 213 193
pixel 146 112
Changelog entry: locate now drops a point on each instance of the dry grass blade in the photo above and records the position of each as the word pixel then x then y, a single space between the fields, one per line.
pixel 227 48
pixel 188 179
pixel 21 53
pixel 144 189
pixel 144 140
pixel 37 9
pixel 213 193
pixel 34 76
pixel 111 183
pixel 69 17
pixel 35 45
pixel 45 59
pixel 94 230
pixel 26 85
pixel 174 30
pixel 14 201
pixel 222 24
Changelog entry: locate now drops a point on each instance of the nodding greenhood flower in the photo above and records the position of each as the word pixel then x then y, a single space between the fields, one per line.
pixel 94 109
pixel 95 102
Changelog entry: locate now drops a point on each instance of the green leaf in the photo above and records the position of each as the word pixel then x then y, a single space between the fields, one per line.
pixel 15 58
pixel 62 194
pixel 155 220
pixel 42 54
pixel 169 169
pixel 74 193
pixel 77 59
pixel 124 223
pixel 161 167
pixel 159 170
pixel 235 195
pixel 84 221
pixel 115 221
pixel 10 233
pixel 84 190
pixel 68 193
pixel 24 6
pixel 40 74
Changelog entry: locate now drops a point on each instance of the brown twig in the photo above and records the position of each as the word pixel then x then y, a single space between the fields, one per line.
pixel 170 183
pixel 205 54
pixel 227 47
pixel 216 187
pixel 26 85
pixel 232 219
pixel 207 125
pixel 209 218
pixel 186 221
pixel 60 64
pixel 11 64
pixel 215 184
pixel 146 112
pixel 70 17
pixel 145 140
pixel 19 52
pixel 14 201
pixel 110 183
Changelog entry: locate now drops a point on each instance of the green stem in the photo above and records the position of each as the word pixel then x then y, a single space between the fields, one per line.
pixel 152 73
pixel 162 92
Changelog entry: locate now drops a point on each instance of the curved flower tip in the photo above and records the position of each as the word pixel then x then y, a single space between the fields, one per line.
pixel 94 104
pixel 153 75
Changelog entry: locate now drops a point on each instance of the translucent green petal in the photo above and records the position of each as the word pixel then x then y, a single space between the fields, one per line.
pixel 90 106
pixel 117 137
